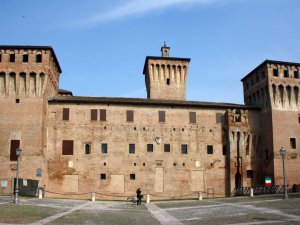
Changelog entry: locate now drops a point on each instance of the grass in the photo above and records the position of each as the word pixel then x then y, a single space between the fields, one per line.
pixel 11 213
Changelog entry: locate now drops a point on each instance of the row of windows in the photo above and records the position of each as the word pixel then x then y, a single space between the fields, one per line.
pixel 130 116
pixel 286 73
pixel 256 79
pixel 67 148
pixel 25 57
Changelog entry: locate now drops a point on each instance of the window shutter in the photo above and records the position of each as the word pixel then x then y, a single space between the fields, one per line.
pixel 14 144
pixel 67 147
pixel 66 112
pixel 94 114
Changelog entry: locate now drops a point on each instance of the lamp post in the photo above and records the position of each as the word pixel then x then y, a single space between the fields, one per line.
pixel 18 153
pixel 282 152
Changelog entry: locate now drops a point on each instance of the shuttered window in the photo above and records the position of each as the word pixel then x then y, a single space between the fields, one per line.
pixel 94 113
pixel 66 112
pixel 192 117
pixel 129 116
pixel 102 114
pixel 218 117
pixel 67 147
pixel 162 116
pixel 14 144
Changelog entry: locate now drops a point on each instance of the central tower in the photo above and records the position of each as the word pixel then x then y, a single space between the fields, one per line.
pixel 165 76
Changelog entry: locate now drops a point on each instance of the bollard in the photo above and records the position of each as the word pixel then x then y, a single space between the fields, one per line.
pixel 199 196
pixel 93 196
pixel 148 198
pixel 40 193
pixel 251 192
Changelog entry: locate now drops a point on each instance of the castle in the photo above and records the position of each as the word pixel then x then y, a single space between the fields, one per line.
pixel 164 144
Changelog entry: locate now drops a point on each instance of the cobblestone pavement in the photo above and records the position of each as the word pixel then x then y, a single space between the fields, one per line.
pixel 234 211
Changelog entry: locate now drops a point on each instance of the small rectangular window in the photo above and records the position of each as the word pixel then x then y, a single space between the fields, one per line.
pixel 224 150
pixel 286 73
pixel 192 116
pixel 168 81
pixel 184 149
pixel 67 147
pixel 132 176
pixel 167 148
pixel 275 72
pixel 12 57
pixel 94 113
pixel 14 144
pixel 0 57
pixel 39 58
pixel 25 57
pixel 102 114
pixel 66 112
pixel 210 149
pixel 104 148
pixel 87 149
pixel 129 116
pixel 131 148
pixel 293 143
pixel 162 116
pixel 249 173
pixel 103 176
pixel 218 117
pixel 149 147
pixel 296 73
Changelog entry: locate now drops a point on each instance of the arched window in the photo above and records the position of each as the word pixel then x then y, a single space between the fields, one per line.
pixel 87 148
pixel 38 57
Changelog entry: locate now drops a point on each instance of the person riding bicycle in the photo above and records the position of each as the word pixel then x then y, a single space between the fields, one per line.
pixel 139 196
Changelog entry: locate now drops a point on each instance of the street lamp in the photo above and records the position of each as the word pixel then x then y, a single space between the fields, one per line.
pixel 283 154
pixel 18 153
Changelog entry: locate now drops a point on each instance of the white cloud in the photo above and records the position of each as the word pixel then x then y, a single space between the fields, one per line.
pixel 135 7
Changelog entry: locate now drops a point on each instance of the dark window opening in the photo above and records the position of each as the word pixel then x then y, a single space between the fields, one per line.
pixel 14 144
pixel 87 148
pixel 218 117
pixel 275 72
pixel 67 147
pixel 102 114
pixel 184 149
pixel 249 173
pixel 66 112
pixel 267 154
pixel 0 57
pixel 12 57
pixel 131 148
pixel 132 176
pixel 183 164
pixel 134 164
pixel 224 150
pixel 161 116
pixel 293 144
pixel 17 100
pixel 192 116
pixel 174 164
pixel 168 81
pixel 104 148
pixel 104 164
pixel 167 148
pixel 39 58
pixel 210 149
pixel 149 147
pixel 144 164
pixel 238 118
pixel 296 73
pixel 94 113
pixel 286 73
pixel 129 115
pixel 103 176
pixel 25 57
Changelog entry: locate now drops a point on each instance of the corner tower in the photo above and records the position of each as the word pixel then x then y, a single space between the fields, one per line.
pixel 273 86
pixel 166 76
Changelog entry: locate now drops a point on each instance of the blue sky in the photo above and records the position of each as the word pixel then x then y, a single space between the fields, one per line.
pixel 102 45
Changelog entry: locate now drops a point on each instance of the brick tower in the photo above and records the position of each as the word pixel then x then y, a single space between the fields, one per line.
pixel 165 76
pixel 28 76
pixel 274 87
